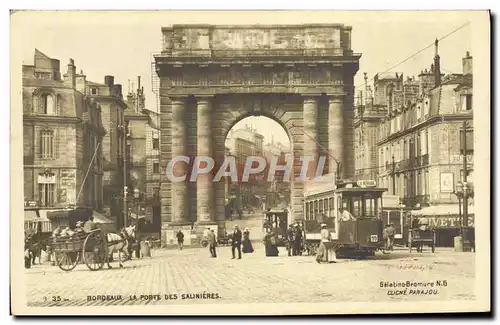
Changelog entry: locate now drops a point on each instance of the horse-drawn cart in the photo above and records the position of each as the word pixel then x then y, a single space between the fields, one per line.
pixel 88 247
pixel 421 234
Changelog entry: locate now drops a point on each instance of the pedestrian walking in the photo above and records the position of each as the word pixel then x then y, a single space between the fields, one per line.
pixel 325 237
pixel 180 239
pixel 236 242
pixel 212 243
pixel 391 233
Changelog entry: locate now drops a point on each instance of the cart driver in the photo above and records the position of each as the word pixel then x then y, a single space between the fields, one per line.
pixel 346 215
pixel 90 225
pixel 423 224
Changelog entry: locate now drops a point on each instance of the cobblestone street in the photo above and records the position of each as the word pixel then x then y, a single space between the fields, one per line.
pixel 174 274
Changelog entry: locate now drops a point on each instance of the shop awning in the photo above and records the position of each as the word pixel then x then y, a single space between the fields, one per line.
pixel 43 214
pixel 134 215
pixel 441 210
pixel 99 218
pixel 30 215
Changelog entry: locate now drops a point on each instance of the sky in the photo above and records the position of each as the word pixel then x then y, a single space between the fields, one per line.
pixel 121 43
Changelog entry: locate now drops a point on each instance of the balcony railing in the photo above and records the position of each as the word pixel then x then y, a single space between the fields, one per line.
pixel 413 201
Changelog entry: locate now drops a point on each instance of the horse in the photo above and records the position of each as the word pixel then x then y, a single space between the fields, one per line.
pixel 119 243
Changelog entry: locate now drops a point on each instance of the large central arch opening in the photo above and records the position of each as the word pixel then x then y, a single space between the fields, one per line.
pixel 246 199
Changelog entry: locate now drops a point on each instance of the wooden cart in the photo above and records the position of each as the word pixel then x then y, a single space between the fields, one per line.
pixel 87 247
pixel 421 235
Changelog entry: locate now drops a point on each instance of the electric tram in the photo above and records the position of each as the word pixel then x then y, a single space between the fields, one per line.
pixel 351 211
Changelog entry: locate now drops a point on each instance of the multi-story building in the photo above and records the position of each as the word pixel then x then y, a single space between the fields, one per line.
pixel 62 135
pixel 153 203
pixel 419 146
pixel 143 143
pixel 109 96
pixel 277 190
pixel 244 143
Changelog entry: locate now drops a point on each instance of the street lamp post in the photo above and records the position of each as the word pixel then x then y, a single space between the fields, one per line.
pixel 463 192
pixel 136 201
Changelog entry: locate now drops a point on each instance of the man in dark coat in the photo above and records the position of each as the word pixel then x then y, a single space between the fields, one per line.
pixel 236 241
pixel 180 239
pixel 212 243
pixel 297 241
pixel 290 238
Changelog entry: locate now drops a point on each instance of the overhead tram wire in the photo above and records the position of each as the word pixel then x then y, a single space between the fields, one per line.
pixel 418 52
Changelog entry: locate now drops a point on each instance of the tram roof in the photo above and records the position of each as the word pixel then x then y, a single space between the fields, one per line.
pixel 360 189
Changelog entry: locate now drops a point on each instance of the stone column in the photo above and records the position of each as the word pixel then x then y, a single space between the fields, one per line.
pixel 335 132
pixel 310 117
pixel 179 141
pixel 204 184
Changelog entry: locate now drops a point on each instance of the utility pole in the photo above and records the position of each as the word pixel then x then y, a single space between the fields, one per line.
pixel 393 176
pixel 465 200
pixel 124 157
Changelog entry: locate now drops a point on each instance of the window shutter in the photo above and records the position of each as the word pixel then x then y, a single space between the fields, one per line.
pixel 40 143
pixel 55 150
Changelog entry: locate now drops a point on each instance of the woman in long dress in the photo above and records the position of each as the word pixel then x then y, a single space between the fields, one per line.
pixel 270 243
pixel 247 244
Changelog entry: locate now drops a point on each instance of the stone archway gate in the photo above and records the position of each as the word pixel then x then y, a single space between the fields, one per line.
pixel 212 76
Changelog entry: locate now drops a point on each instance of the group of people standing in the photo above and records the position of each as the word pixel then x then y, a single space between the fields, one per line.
pixel 240 241
pixel 295 239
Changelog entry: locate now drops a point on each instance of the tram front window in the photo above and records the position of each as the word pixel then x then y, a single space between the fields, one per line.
pixel 363 205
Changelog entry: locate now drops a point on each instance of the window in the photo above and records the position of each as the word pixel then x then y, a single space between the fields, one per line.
pixel 469 142
pixel 94 91
pixel 46 194
pixel 156 167
pixel 42 75
pixel 468 102
pixel 156 144
pixel 46 104
pixel 46 144
pixel 58 104
pixel 156 192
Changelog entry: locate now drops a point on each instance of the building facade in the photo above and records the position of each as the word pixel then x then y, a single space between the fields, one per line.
pixel 211 77
pixel 277 190
pixel 153 203
pixel 62 135
pixel 244 143
pixel 419 142
pixel 110 98
pixel 143 144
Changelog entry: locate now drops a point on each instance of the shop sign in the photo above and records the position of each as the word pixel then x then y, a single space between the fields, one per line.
pixel 448 222
pixel 46 179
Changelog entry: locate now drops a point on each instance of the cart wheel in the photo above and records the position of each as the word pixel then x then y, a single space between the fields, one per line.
pixel 68 261
pixel 94 251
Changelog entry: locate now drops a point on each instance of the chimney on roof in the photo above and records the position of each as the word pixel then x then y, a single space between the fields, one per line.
pixel 467 64
pixel 109 80
pixel 70 77
pixel 118 90
pixel 437 65
pixel 138 83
